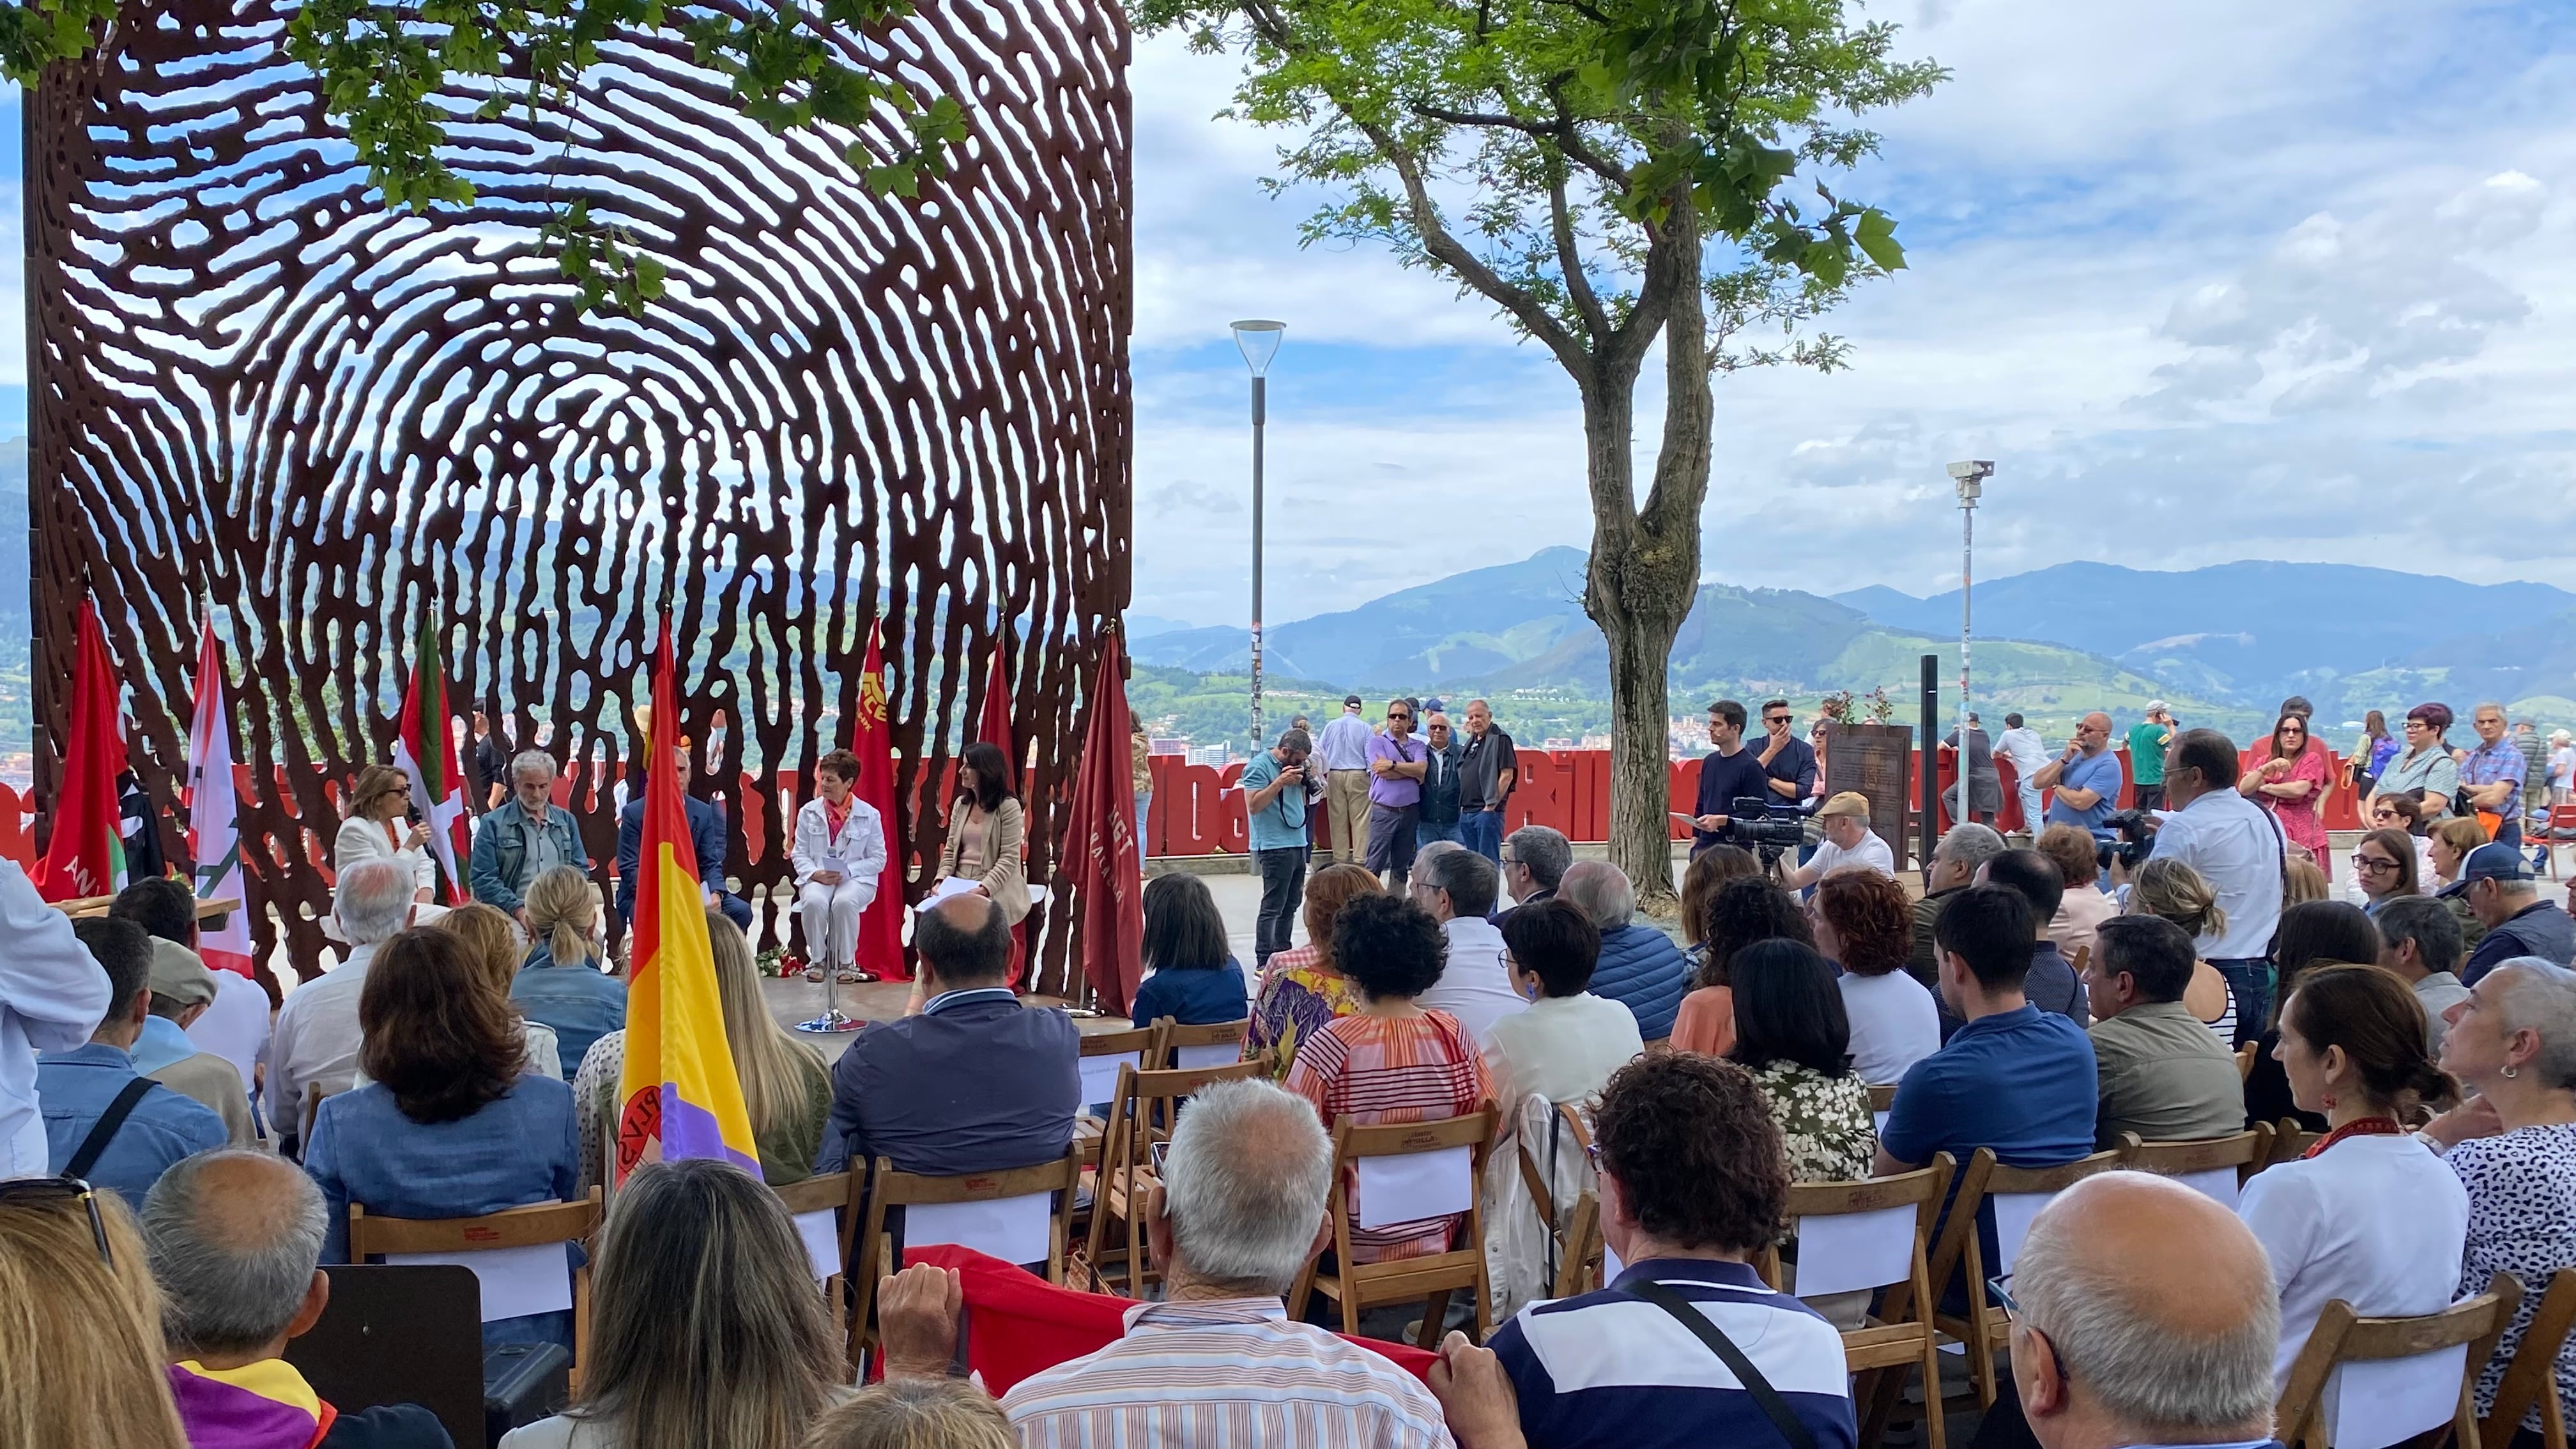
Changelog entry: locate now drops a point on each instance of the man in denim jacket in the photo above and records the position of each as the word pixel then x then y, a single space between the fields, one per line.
pixel 519 841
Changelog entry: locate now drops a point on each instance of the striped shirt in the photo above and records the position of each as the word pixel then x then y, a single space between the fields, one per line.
pixel 1225 1374
pixel 1381 1069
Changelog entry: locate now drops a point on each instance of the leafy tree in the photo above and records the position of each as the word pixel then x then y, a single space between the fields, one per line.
pixel 1607 173
pixel 395 75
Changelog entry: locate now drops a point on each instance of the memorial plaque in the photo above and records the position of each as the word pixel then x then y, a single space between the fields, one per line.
pixel 1875 760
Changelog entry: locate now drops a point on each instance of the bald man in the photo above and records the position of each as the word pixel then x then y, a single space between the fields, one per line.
pixel 235 1238
pixel 2086 777
pixel 2146 1315
pixel 968 1081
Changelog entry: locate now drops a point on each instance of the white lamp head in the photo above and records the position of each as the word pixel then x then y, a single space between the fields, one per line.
pixel 1259 341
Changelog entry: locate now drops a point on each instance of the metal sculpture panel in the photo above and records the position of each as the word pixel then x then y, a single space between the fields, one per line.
pixel 256 392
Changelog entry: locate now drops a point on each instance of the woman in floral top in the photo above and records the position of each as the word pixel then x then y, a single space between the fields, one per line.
pixel 1300 990
pixel 1792 1035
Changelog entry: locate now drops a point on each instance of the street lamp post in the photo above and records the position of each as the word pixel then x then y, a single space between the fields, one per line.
pixel 1971 480
pixel 1259 342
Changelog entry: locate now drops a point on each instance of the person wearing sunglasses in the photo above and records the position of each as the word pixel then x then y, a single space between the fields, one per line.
pixel 51 994
pixel 82 1330
pixel 1396 763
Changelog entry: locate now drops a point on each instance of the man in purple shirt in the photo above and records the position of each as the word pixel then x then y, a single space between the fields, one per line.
pixel 1396 762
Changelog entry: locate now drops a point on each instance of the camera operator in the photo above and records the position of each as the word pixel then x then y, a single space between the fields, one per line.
pixel 2237 848
pixel 1728 772
pixel 1848 841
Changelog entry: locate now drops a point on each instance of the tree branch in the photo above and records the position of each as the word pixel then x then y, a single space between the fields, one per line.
pixel 1569 259
pixel 1560 131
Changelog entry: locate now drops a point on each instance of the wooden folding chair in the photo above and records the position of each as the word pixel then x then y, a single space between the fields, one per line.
pixel 2245 1060
pixel 820 1206
pixel 1988 1186
pixel 2290 1141
pixel 871 1256
pixel 536 1225
pixel 1860 1247
pixel 1101 1055
pixel 1141 1114
pixel 1578 1256
pixel 2532 1372
pixel 2343 1337
pixel 1428 1280
pixel 1189 1048
pixel 2217 1166
pixel 2558 828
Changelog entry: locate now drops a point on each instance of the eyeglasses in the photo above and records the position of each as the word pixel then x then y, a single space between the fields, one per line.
pixel 2374 864
pixel 1775 719
pixel 1398 716
pixel 60 1189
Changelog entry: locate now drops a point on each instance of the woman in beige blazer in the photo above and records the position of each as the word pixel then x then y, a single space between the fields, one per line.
pixel 986 829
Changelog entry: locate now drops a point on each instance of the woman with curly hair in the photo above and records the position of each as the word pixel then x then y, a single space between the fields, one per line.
pixel 1391 1060
pixel 1300 988
pixel 1864 923
pixel 1743 911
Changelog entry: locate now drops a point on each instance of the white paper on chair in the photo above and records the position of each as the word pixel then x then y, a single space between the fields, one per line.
pixel 948 888
pixel 1013 1229
pixel 1415 1186
pixel 822 1237
pixel 1100 1074
pixel 2013 1214
pixel 516 1281
pixel 1844 1251
pixel 1611 1267
pixel 2218 1184
pixel 1881 1119
pixel 1194 1058
pixel 2372 1405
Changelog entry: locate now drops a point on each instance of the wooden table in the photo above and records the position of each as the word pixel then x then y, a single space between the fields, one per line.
pixel 85 907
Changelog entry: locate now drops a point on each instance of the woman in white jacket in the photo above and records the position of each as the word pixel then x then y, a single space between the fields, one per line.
pixel 377 827
pixel 840 851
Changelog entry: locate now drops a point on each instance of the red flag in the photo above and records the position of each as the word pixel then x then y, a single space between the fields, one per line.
pixel 425 751
pixel 995 727
pixel 85 857
pixel 1100 847
pixel 881 925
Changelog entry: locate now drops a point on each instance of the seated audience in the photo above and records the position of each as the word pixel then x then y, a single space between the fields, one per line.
pixel 1640 966
pixel 705 1326
pixel 1534 860
pixel 2163 1075
pixel 315 1042
pixel 2448 846
pixel 2505 897
pixel 494 940
pixel 2384 864
pixel 1863 924
pixel 2512 1044
pixel 1693 1181
pixel 2369 1215
pixel 379 827
pixel 453 1125
pixel 1848 843
pixel 914 1413
pixel 1456 885
pixel 79 1091
pixel 1191 976
pixel 235 1025
pixel 235 1241
pixel 564 981
pixel 1954 868
pixel 80 1324
pixel 2172 890
pixel 706 847
pixel 1707 871
pixel 182 991
pixel 1239 1212
pixel 1010 1083
pixel 2051 983
pixel 2302 880
pixel 2317 933
pixel 1742 912
pixel 2420 941
pixel 1791 1034
pixel 786 1089
pixel 2146 1316
pixel 1392 1060
pixel 2083 907
pixel 1301 989
pixel 1570 1040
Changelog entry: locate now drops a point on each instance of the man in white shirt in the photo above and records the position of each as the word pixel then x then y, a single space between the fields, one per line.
pixel 52 995
pixel 2022 745
pixel 1344 747
pixel 1848 841
pixel 315 1043
pixel 2237 848
pixel 1456 885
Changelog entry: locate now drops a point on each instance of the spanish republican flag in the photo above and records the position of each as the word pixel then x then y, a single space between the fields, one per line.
pixel 84 857
pixel 678 1089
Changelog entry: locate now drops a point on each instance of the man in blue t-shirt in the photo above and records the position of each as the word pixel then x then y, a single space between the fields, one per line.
pixel 1275 800
pixel 1729 773
pixel 2086 777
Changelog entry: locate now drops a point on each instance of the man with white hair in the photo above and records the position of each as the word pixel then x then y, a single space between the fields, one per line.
pixel 2143 1313
pixel 1456 885
pixel 1954 869
pixel 1216 1362
pixel 235 1240
pixel 315 1041
pixel 517 842
pixel 1640 967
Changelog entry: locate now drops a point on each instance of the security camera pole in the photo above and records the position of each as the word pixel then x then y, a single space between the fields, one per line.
pixel 1971 479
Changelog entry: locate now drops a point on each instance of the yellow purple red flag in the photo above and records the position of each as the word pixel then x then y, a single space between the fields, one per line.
pixel 678 1094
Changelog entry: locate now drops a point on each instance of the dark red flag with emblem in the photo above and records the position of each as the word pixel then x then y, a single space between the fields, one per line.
pixel 1098 856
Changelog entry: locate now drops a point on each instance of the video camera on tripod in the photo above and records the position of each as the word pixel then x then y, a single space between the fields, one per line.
pixel 1766 828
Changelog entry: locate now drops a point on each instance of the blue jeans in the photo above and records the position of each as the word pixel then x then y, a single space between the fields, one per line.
pixel 2251 979
pixel 1425 832
pixel 2030 809
pixel 1482 832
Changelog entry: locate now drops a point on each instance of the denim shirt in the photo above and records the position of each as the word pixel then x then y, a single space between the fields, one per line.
pixel 499 866
pixel 579 1001
pixel 75 1088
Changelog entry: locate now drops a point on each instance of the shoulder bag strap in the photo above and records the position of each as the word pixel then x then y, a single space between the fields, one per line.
pixel 1774 1407
pixel 103 1131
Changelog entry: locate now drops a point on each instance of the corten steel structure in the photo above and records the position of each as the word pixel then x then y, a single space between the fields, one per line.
pixel 253 389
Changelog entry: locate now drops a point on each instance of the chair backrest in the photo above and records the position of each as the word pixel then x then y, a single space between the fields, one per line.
pixel 1188 1048
pixel 1855 1235
pixel 1144 1106
pixel 1882 1100
pixel 1018 1216
pixel 2290 1141
pixel 816 1205
pixel 1408 1171
pixel 2245 1060
pixel 517 1254
pixel 2216 1166
pixel 399 1335
pixel 2014 1195
pixel 1103 1053
pixel 2365 1383
pixel 2531 1374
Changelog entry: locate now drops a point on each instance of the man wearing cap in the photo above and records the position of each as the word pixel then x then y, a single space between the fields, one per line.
pixel 706 836
pixel 182 989
pixel 2149 738
pixel 1848 841
pixel 104 1124
pixel 1344 746
pixel 2505 897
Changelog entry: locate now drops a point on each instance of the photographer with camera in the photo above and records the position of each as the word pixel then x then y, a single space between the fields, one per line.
pixel 2238 849
pixel 1729 773
pixel 1848 841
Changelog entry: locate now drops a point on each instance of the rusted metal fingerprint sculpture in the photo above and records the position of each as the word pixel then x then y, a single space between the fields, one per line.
pixel 256 392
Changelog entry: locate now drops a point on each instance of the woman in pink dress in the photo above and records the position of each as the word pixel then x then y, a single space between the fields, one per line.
pixel 2289 779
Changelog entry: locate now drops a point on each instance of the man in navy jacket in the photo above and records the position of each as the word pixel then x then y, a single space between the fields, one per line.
pixel 706 833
